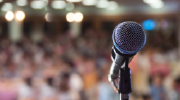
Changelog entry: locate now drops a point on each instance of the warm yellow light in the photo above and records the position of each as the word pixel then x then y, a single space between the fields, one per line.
pixel 78 17
pixel 70 17
pixel 20 15
pixel 48 17
pixel 9 16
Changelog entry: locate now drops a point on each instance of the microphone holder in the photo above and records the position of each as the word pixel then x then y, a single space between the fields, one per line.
pixel 120 65
pixel 124 87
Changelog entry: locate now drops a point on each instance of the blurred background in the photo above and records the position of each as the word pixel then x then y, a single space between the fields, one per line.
pixel 60 49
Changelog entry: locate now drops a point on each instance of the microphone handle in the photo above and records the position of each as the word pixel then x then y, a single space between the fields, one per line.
pixel 125 81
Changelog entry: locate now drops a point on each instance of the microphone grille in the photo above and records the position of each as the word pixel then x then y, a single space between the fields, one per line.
pixel 129 37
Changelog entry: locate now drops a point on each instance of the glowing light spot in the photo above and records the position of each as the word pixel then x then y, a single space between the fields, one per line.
pixel 149 25
pixel 38 4
pixel 102 4
pixel 58 4
pixel 78 17
pixel 70 17
pixel 21 2
pixel 112 5
pixel 7 7
pixel 9 16
pixel 20 15
pixel 74 0
pixel 89 2
pixel 48 17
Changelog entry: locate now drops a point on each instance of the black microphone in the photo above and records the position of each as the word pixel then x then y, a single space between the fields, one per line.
pixel 128 38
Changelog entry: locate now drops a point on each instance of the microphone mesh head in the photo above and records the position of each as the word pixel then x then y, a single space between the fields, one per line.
pixel 129 37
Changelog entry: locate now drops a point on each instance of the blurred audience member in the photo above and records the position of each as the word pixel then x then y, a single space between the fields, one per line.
pixel 8 90
pixel 157 89
pixel 26 90
pixel 174 93
pixel 105 90
pixel 47 88
pixel 65 93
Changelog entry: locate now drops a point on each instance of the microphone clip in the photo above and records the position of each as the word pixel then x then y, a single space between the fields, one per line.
pixel 119 69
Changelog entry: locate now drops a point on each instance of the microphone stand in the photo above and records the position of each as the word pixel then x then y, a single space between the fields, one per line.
pixel 125 81
pixel 120 65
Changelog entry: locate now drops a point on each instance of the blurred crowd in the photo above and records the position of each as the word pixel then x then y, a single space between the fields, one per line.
pixel 67 68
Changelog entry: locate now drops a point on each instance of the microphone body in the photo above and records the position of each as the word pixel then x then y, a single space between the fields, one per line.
pixel 128 38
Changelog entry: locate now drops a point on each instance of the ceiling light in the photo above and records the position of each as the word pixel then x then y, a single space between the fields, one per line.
pixel 151 1
pixel 74 0
pixel 89 2
pixel 9 16
pixel 58 4
pixel 7 7
pixel 157 5
pixel 102 4
pixel 112 5
pixel 48 17
pixel 21 2
pixel 78 17
pixel 20 15
pixel 70 17
pixel 38 4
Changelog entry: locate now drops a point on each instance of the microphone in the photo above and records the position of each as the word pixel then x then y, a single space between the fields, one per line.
pixel 128 38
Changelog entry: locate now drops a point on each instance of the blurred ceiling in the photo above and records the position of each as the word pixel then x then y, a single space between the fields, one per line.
pixel 124 7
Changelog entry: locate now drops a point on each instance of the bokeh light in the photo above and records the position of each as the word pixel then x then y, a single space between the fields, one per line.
pixel 70 17
pixel 21 2
pixel 9 16
pixel 78 17
pixel 102 4
pixel 154 3
pixel 157 5
pixel 48 17
pixel 74 0
pixel 149 25
pixel 38 4
pixel 151 1
pixel 58 4
pixel 7 7
pixel 20 15
pixel 89 2
pixel 112 5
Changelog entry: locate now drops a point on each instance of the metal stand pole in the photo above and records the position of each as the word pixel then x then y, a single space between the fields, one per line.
pixel 124 96
pixel 125 81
